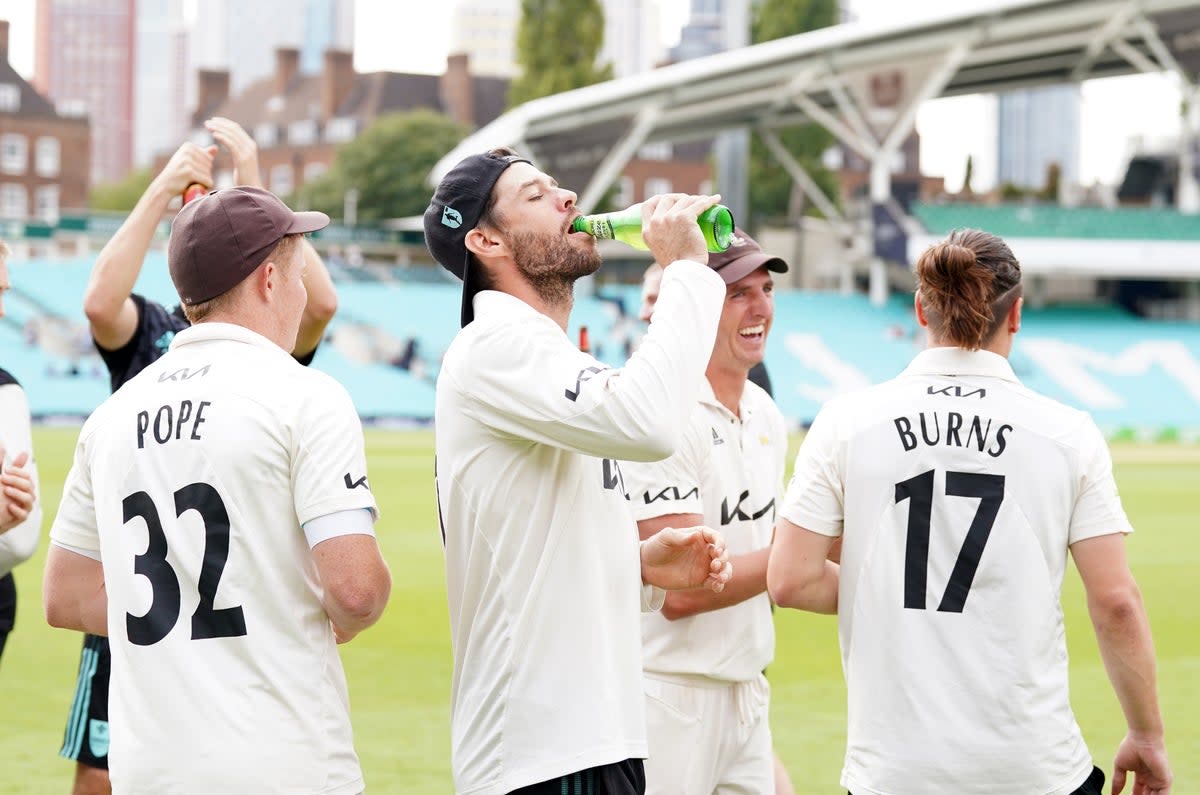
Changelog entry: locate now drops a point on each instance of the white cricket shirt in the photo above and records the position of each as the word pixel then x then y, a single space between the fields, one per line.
pixel 192 482
pixel 957 492
pixel 730 471
pixel 542 563
pixel 20 542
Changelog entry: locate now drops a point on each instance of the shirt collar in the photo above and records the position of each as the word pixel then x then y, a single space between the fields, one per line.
pixel 495 304
pixel 209 331
pixel 960 361
pixel 709 398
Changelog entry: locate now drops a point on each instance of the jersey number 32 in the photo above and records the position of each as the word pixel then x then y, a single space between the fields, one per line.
pixel 160 619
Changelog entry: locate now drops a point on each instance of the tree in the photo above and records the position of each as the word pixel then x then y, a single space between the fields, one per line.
pixel 558 46
pixel 1050 190
pixel 120 196
pixel 387 164
pixel 968 173
pixel 772 193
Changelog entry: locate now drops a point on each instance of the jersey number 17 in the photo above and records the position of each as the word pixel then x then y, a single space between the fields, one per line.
pixel 989 489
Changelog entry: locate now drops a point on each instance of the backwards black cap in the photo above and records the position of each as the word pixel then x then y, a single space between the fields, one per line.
pixel 457 205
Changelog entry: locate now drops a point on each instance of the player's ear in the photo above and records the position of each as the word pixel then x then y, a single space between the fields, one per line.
pixel 1014 315
pixel 485 242
pixel 920 310
pixel 266 280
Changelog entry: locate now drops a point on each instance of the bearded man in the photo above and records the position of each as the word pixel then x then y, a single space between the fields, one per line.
pixel 544 568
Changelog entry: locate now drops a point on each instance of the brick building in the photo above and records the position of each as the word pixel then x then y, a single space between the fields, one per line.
pixel 298 120
pixel 44 156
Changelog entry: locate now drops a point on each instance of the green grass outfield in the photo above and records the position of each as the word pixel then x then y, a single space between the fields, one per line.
pixel 399 671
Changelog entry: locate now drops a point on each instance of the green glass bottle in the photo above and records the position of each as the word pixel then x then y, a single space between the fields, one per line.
pixel 626 225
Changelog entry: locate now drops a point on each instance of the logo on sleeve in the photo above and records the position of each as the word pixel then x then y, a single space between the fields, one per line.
pixel 354 484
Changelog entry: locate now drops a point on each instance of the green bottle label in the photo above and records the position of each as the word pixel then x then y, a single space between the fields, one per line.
pixel 602 229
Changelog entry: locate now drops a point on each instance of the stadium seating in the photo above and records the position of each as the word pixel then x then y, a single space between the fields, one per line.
pixel 1054 221
pixel 386 342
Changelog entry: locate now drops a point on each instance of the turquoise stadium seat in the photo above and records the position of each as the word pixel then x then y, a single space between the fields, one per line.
pixel 1128 371
pixel 1053 221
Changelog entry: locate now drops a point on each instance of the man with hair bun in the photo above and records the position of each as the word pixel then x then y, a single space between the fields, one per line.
pixel 957 493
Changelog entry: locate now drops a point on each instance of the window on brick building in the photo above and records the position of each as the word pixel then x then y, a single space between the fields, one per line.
pixel 624 195
pixel 281 179
pixel 46 156
pixel 10 98
pixel 302 133
pixel 314 170
pixel 657 185
pixel 656 151
pixel 266 134
pixel 340 130
pixel 14 201
pixel 45 203
pixel 14 153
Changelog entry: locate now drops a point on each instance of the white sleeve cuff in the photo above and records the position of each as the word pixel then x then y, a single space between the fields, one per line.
pixel 353 522
pixel 653 598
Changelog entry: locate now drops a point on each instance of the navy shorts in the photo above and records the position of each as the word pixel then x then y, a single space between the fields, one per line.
pixel 619 778
pixel 86 737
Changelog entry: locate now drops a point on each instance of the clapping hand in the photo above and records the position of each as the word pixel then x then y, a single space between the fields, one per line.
pixel 16 492
pixel 693 557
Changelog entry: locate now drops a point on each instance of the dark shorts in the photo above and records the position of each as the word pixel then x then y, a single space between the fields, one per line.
pixel 619 778
pixel 86 737
pixel 8 607
pixel 1093 786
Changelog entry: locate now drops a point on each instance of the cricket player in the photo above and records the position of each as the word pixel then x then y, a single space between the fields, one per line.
pixel 217 526
pixel 544 570
pixel 130 331
pixel 958 493
pixel 704 653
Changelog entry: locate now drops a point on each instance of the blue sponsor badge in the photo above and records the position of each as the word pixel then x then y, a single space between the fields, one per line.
pixel 451 217
pixel 98 737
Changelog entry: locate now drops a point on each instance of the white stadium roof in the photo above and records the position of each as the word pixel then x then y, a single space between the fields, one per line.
pixel 834 76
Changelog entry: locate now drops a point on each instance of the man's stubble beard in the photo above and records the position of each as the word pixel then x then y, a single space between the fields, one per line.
pixel 552 265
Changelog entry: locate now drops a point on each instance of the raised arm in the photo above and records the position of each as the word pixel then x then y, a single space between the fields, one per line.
pixel 530 381
pixel 110 311
pixel 1123 635
pixel 322 302
pixel 322 298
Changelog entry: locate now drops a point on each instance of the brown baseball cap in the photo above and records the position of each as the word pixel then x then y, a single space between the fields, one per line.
pixel 219 239
pixel 743 257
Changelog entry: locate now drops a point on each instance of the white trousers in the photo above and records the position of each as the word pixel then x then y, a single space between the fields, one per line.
pixel 708 738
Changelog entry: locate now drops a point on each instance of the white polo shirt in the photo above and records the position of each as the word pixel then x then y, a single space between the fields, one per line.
pixel 20 542
pixel 542 562
pixel 958 492
pixel 730 471
pixel 191 482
